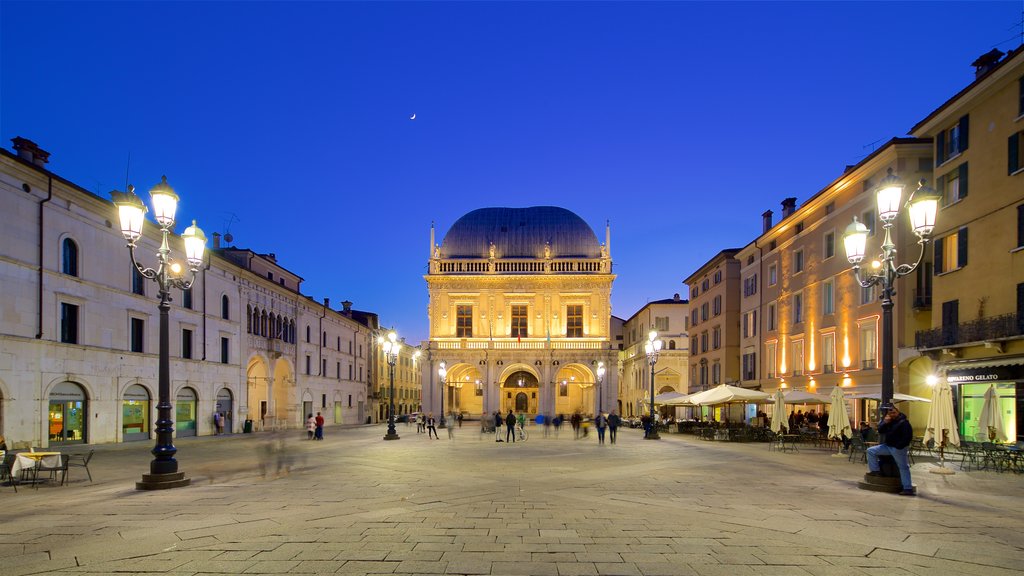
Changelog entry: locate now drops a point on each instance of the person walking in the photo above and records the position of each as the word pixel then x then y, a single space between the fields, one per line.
pixel 451 426
pixel 218 423
pixel 898 433
pixel 431 426
pixel 319 427
pixel 498 423
pixel 613 425
pixel 310 426
pixel 600 422
pixel 459 417
pixel 510 427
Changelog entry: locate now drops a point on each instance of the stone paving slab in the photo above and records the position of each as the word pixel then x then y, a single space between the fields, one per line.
pixel 548 506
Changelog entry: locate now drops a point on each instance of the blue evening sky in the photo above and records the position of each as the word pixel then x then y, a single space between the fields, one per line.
pixel 288 123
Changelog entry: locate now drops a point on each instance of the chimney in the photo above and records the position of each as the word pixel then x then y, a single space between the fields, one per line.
pixel 675 297
pixel 766 221
pixel 327 302
pixel 986 62
pixel 346 308
pixel 216 240
pixel 272 257
pixel 788 207
pixel 29 151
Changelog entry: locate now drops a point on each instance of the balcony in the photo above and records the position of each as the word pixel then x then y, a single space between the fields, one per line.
pixel 1004 327
pixel 273 345
pixel 523 266
pixel 520 344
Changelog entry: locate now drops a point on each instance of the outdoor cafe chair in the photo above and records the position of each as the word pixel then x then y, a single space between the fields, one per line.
pixel 6 463
pixel 970 456
pixel 62 467
pixel 82 460
pixel 996 456
pixel 857 446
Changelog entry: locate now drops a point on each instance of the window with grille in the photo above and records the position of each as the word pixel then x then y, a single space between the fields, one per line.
pixel 519 320
pixel 464 321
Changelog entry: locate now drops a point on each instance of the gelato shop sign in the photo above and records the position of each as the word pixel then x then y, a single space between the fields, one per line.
pixel 987 374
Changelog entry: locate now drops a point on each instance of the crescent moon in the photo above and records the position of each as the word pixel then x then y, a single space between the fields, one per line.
pixel 413 117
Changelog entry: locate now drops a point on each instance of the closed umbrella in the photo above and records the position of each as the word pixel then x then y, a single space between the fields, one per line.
pixel 942 424
pixel 990 423
pixel 838 418
pixel 779 413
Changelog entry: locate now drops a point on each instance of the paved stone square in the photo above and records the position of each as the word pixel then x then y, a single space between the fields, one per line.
pixel 354 504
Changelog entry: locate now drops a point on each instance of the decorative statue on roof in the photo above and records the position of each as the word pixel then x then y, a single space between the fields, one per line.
pixel 547 249
pixel 491 250
pixel 437 251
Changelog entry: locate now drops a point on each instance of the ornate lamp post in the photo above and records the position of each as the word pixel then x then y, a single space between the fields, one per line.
pixel 163 470
pixel 391 347
pixel 652 348
pixel 442 372
pixel 923 206
pixel 600 387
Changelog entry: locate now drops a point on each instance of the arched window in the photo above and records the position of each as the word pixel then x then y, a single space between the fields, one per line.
pixel 225 307
pixel 671 344
pixel 278 328
pixel 291 332
pixel 248 319
pixel 69 257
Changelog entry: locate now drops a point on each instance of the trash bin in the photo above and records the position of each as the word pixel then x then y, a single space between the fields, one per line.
pixel 247 427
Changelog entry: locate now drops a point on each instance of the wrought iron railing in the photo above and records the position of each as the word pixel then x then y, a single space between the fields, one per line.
pixel 980 330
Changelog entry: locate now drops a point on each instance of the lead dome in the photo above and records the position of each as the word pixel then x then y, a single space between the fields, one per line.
pixel 520 233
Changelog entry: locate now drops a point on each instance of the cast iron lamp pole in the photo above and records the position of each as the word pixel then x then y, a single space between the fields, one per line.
pixel 600 387
pixel 442 371
pixel 163 469
pixel 391 347
pixel 923 206
pixel 652 348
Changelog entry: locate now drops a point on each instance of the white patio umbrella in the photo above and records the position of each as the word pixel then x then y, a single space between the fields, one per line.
pixel 942 425
pixel 726 394
pixel 803 397
pixel 990 423
pixel 838 418
pixel 779 413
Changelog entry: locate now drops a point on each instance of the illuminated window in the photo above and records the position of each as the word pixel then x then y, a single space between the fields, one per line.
pixel 828 352
pixel 798 358
pixel 798 308
pixel 773 275
pixel 770 359
pixel 868 346
pixel 828 303
pixel 951 251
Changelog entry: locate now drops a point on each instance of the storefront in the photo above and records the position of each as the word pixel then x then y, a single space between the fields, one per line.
pixel 969 384
pixel 135 414
pixel 68 409
pixel 225 406
pixel 185 413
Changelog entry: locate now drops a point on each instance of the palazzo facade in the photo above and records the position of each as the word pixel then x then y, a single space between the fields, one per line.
pixel 519 311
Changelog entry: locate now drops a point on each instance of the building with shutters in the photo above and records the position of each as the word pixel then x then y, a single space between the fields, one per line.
pixel 975 336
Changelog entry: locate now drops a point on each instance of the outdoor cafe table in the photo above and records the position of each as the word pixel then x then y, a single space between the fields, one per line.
pixel 26 460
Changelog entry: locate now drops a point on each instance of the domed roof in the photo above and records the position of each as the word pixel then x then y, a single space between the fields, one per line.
pixel 520 233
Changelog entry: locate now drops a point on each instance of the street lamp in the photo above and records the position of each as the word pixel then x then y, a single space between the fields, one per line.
pixel 652 348
pixel 600 387
pixel 442 371
pixel 163 469
pixel 391 347
pixel 922 206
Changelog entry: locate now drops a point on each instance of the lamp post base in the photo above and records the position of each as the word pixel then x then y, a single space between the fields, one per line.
pixel 163 481
pixel 391 436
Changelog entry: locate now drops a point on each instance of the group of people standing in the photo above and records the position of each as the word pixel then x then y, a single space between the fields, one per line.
pixel 315 427
pixel 799 420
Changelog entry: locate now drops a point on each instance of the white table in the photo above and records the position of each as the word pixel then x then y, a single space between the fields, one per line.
pixel 28 460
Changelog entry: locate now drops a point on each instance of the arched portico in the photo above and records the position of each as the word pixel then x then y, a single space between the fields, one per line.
pixel 465 387
pixel 575 389
pixel 258 390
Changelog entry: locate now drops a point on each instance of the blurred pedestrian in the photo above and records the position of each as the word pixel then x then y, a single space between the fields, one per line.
pixel 451 426
pixel 431 426
pixel 498 423
pixel 510 427
pixel 600 422
pixel 310 426
pixel 613 425
pixel 319 427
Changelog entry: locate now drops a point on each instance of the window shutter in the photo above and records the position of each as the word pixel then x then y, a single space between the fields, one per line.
pixel 1020 225
pixel 1013 157
pixel 963 180
pixel 961 247
pixel 964 124
pixel 938 255
pixel 940 148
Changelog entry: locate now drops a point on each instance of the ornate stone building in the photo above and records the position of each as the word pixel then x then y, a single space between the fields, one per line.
pixel 520 303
